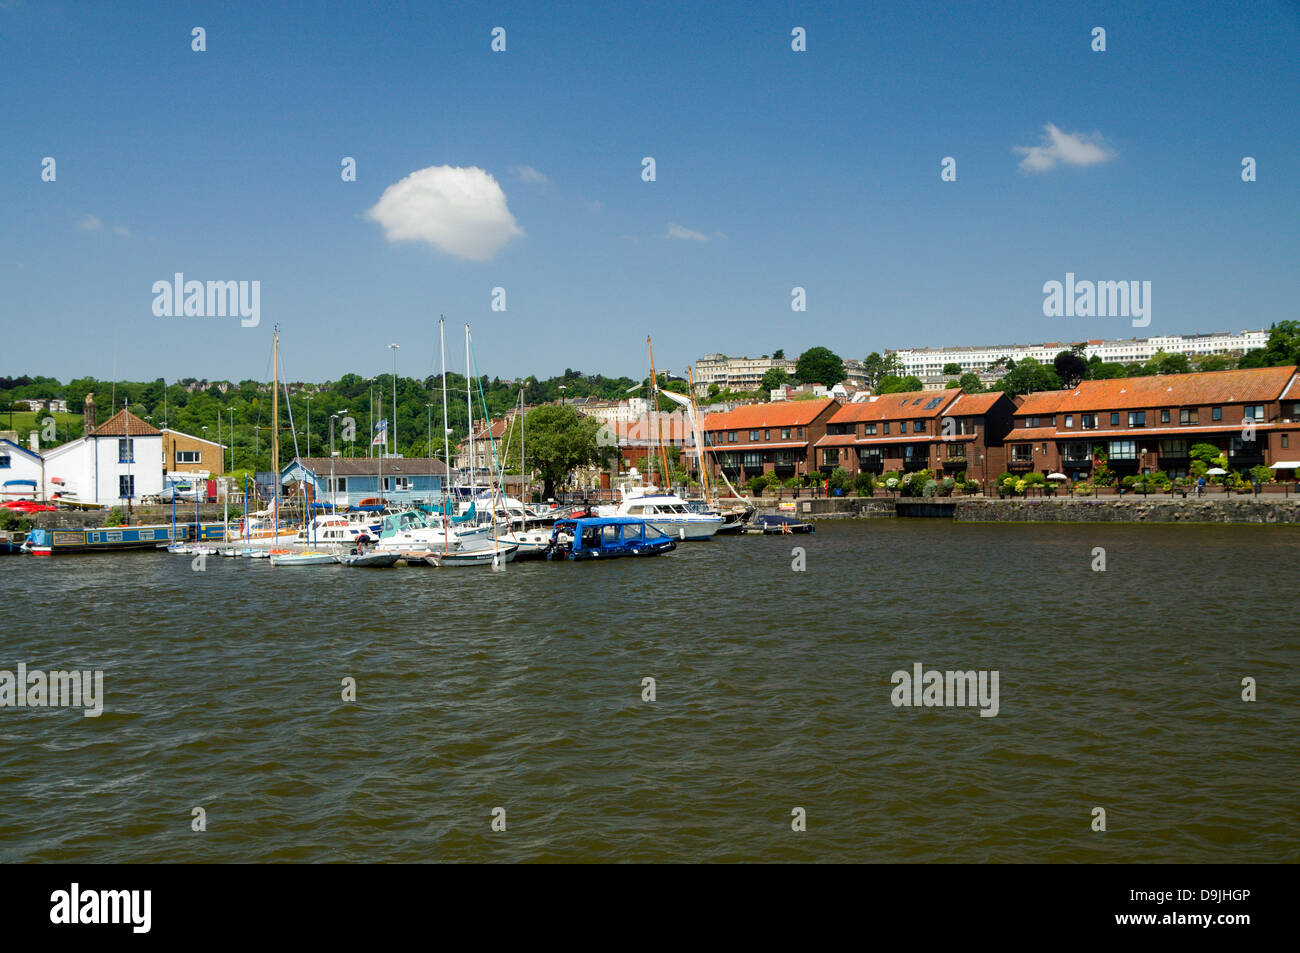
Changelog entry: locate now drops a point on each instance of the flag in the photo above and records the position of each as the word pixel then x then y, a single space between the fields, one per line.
pixel 381 434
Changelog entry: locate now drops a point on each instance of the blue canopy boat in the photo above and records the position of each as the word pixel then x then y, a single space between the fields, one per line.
pixel 605 538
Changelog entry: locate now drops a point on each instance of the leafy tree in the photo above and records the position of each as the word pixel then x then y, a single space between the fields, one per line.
pixel 820 365
pixel 1070 367
pixel 875 368
pixel 779 354
pixel 559 441
pixel 1283 347
pixel 773 378
pixel 952 369
pixel 970 383
pixel 899 385
pixel 1028 377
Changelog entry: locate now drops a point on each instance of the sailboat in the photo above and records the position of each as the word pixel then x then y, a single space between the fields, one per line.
pixel 262 531
pixel 491 551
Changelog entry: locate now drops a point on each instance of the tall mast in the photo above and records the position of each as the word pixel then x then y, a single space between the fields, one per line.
pixel 523 459
pixel 447 500
pixel 699 437
pixel 469 408
pixel 654 411
pixel 275 430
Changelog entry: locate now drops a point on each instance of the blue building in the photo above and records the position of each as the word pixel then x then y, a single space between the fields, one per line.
pixel 399 480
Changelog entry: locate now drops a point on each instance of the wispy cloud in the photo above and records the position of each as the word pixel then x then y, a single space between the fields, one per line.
pixel 1067 148
pixel 460 211
pixel 90 224
pixel 689 234
pixel 122 230
pixel 530 175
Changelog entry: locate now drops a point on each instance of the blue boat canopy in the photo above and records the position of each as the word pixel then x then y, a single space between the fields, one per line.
pixel 31 483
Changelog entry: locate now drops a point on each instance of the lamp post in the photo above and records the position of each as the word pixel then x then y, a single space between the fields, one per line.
pixel 393 348
pixel 333 482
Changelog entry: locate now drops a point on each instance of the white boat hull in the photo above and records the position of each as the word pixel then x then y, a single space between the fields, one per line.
pixel 486 556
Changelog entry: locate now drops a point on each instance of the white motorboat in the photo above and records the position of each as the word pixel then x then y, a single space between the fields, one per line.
pixel 371 560
pixel 666 512
pixel 309 558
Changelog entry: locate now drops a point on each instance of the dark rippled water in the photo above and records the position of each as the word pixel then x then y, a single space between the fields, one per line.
pixel 522 690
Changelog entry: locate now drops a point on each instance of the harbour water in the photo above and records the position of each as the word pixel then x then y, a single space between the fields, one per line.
pixel 523 689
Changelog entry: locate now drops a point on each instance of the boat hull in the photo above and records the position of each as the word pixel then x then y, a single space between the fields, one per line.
pixel 477 557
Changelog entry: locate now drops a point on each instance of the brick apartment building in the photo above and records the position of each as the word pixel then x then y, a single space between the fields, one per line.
pixel 767 438
pixel 1145 424
pixel 948 432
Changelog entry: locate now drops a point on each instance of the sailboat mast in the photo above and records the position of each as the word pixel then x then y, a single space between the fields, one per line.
pixel 699 441
pixel 275 431
pixel 654 411
pixel 469 409
pixel 523 457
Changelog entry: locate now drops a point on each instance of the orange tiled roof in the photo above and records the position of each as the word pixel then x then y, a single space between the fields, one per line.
pixel 1042 404
pixel 1034 433
pixel 904 406
pixel 970 404
pixel 780 413
pixel 125 424
pixel 1254 385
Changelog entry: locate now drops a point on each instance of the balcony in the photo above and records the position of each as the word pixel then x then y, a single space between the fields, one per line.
pixel 871 464
pixel 912 464
pixel 954 461
pixel 1020 466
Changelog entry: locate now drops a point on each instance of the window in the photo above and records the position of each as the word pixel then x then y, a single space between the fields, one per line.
pixel 731 436
pixel 918 426
pixel 1114 419
pixel 126 486
pixel 1137 418
pixel 800 433
pixel 752 460
pixel 1123 450
pixel 767 435
pixel 1285 441
pixel 1164 416
pixel 1173 448
pixel 1088 421
pixel 868 430
pixel 340 484
pixel 6 461
pixel 830 457
pixel 934 402
pixel 397 483
pixel 785 433
pixel 708 438
pixel 1188 416
pixel 188 456
pixel 1069 421
pixel 1216 413
pixel 1254 412
pixel 753 436
pixel 886 430
pixel 1022 452
pixel 126 450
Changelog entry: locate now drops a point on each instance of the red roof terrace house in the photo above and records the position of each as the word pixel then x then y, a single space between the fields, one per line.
pixel 767 438
pixel 1149 424
pixel 948 432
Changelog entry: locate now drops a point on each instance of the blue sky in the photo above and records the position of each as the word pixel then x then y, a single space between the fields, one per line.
pixel 817 169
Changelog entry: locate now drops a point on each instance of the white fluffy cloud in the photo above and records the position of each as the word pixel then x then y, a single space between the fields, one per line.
pixel 460 211
pixel 689 234
pixel 1068 148
pixel 90 224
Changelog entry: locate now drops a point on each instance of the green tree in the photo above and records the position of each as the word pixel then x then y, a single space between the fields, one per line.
pixel 820 365
pixel 875 368
pixel 1070 366
pixel 773 378
pixel 952 369
pixel 559 441
pixel 891 384
pixel 1028 377
pixel 779 354
pixel 1283 347
pixel 970 383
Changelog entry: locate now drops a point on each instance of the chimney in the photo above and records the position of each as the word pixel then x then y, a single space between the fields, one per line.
pixel 88 421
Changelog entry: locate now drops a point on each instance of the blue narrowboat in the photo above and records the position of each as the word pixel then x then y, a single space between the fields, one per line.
pixel 606 538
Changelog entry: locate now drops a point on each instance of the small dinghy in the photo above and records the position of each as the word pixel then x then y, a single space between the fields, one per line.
pixel 487 556
pixel 313 558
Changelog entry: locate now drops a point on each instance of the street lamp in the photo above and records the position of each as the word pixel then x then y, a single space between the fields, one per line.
pixel 393 348
pixel 333 482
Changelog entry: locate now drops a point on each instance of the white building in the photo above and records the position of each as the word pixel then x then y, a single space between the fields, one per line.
pixel 120 459
pixel 735 373
pixel 929 362
pixel 20 472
